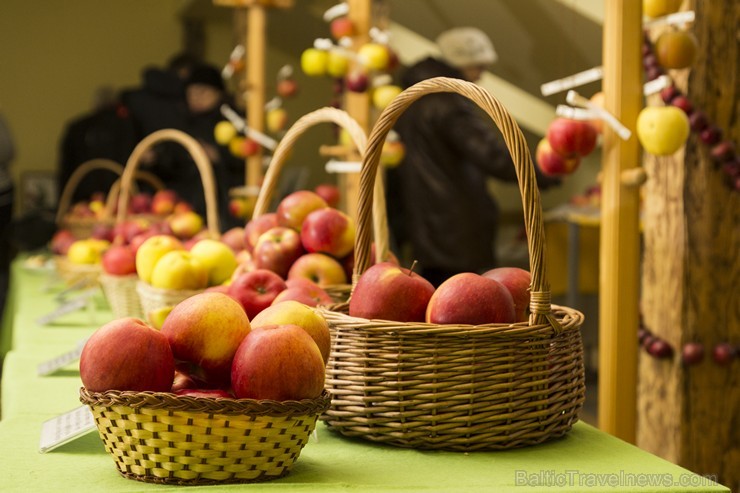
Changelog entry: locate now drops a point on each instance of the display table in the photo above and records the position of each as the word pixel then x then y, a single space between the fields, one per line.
pixel 585 460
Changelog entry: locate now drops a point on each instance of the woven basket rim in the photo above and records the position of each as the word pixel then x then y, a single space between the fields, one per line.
pixel 210 405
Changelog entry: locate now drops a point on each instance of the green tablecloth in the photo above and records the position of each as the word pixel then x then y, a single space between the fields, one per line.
pixel 585 460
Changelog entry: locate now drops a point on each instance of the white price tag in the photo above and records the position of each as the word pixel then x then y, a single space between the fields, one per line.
pixel 77 303
pixel 66 427
pixel 577 100
pixel 671 19
pixel 343 166
pixel 50 366
pixel 656 85
pixel 575 113
pixel 575 80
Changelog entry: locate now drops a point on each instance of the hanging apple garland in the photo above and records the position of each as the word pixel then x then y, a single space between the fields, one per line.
pixel 692 353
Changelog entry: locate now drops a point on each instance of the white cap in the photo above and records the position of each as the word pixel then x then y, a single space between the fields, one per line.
pixel 466 47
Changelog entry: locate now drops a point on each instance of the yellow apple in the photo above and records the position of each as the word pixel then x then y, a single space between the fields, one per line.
pixel 392 154
pixel 156 317
pixel 337 64
pixel 151 251
pixel 314 62
pixel 383 95
pixel 217 257
pixel 662 130
pixel 658 8
pixel 179 269
pixel 89 251
pixel 374 56
pixel 276 120
pixel 185 224
pixel 223 132
pixel 236 146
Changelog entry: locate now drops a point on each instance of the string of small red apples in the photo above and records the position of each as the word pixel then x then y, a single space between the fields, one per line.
pixel 692 353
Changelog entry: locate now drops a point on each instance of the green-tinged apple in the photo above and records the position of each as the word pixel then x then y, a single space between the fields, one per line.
pixel 662 130
pixel 150 251
pixel 256 290
pixel 179 269
pixel 470 298
pixel 276 120
pixel 217 257
pixel 256 227
pixel 330 193
pixel 305 317
pixel 234 238
pixel 277 249
pixel 676 49
pixel 517 281
pixel 205 331
pixel 383 95
pixel 294 208
pixel 304 291
pixel 319 268
pixel 119 260
pixel 127 354
pixel 553 164
pixel 374 56
pixel 389 292
pixel 314 61
pixel 328 231
pixel 156 317
pixel 88 251
pixel 186 224
pixel 223 132
pixel 337 65
pixel 163 202
pixel 278 362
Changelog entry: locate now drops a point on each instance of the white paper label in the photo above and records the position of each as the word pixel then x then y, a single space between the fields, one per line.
pixel 50 366
pixel 66 427
pixel 575 80
pixel 575 113
pixel 656 85
pixel 343 166
pixel 68 307
pixel 671 19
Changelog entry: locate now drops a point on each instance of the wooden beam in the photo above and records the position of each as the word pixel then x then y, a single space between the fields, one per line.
pixel 620 241
pixel 255 52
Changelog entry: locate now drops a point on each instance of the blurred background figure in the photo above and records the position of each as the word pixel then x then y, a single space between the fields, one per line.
pixel 440 210
pixel 7 154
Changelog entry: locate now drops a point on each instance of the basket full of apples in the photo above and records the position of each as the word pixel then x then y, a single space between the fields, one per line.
pixel 210 397
pixel 482 362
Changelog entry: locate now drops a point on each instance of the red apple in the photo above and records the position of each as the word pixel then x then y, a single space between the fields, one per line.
pixel 119 260
pixel 571 138
pixel 517 281
pixel 61 241
pixel 256 290
pixel 185 225
pixel 307 292
pixel 205 331
pixel 102 231
pixel 256 227
pixel 342 27
pixel 553 164
pixel 294 208
pixel 141 203
pixel 330 193
pixel 357 81
pixel 137 240
pixel 234 238
pixel 328 231
pixel 127 354
pixel 389 292
pixel 319 268
pixel 683 103
pixel 698 120
pixel 163 202
pixel 469 298
pixel 287 88
pixel 278 362
pixel 277 249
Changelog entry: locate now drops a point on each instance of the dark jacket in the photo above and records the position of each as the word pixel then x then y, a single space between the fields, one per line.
pixel 438 201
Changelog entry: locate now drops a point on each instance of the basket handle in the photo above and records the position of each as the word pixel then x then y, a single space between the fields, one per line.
pixel 145 176
pixel 355 131
pixel 540 289
pixel 201 161
pixel 65 200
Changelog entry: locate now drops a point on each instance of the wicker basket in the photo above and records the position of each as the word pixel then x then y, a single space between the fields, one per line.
pixel 338 292
pixel 457 387
pixel 165 438
pixel 152 298
pixel 120 291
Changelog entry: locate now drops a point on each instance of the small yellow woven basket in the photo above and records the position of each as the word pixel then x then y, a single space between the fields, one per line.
pixel 158 437
pixel 456 387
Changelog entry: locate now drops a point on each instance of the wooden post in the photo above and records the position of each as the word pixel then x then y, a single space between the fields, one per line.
pixel 357 104
pixel 255 49
pixel 620 242
pixel 688 414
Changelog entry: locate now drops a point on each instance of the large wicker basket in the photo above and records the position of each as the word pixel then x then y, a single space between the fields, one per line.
pixel 338 292
pixel 152 298
pixel 456 387
pixel 160 437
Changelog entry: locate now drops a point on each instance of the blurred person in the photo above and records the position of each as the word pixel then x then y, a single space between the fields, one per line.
pixel 7 155
pixel 440 210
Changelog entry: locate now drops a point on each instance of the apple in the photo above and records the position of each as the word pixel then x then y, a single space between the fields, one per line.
pixel 313 297
pixel 256 290
pixel 517 281
pixel 88 251
pixel 127 354
pixel 278 362
pixel 102 231
pixel 97 207
pixel 206 393
pixel 294 208
pixel 357 81
pixel 469 298
pixel 251 147
pixel 150 251
pixel 389 292
pixel 256 227
pixel 218 259
pixel 319 268
pixel 182 206
pixel 684 103
pixel 314 61
pixel 328 231
pixel 139 239
pixel 277 249
pixel 179 269
pixel 61 241
pixel 342 27
pixel 710 135
pixel 205 331
pixel 234 238
pixel 698 120
pixel 659 8
pixel 383 95
pixel 676 49
pixel 185 225
pixel 662 130
pixel 119 260
pixel 330 193
pixel 141 203
pixel 163 202
pixel 553 164
pixel 305 317
pixel 286 88
pixel 374 56
pixel 129 228
pixel 723 353
pixel 236 146
pixel 337 65
pixel 156 317
pixel 223 132
pixel 276 120
pixel 571 138
pixel 392 153
pixel 241 207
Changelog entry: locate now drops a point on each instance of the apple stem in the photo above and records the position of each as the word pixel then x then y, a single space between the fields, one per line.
pixel 411 269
